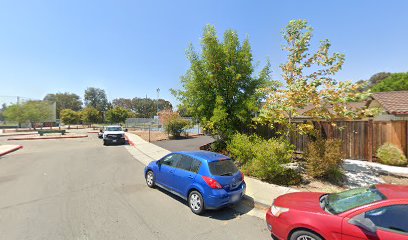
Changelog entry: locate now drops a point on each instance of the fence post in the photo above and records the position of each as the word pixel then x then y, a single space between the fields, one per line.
pixel 370 140
pixel 406 138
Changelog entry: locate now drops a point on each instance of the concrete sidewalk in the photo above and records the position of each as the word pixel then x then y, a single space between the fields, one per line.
pixel 37 137
pixel 17 134
pixel 260 192
pixel 6 149
pixel 378 167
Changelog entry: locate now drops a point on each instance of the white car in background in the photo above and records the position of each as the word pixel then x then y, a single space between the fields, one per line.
pixel 113 135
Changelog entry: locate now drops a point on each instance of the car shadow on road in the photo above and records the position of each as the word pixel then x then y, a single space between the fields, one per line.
pixel 223 214
pixel 118 144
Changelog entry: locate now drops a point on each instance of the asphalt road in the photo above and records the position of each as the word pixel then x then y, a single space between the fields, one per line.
pixel 78 189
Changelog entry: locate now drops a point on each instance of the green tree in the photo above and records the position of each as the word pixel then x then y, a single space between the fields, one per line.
pixel 91 115
pixel 394 82
pixel 308 81
pixel 142 107
pixel 31 111
pixel 96 98
pixel 64 101
pixel 2 109
pixel 69 116
pixel 374 80
pixel 15 113
pixel 163 105
pixel 118 115
pixel 219 89
pixel 123 103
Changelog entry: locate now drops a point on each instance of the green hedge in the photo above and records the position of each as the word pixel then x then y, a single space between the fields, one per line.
pixel 391 155
pixel 264 159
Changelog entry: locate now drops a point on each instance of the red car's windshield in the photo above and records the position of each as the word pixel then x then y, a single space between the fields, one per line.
pixel 341 202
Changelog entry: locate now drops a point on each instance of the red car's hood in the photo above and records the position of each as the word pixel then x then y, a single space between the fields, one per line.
pixel 302 201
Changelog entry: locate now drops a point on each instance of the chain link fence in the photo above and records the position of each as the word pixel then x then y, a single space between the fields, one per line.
pixel 154 124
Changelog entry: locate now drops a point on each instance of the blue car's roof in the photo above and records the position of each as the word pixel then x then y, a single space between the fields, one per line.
pixel 205 155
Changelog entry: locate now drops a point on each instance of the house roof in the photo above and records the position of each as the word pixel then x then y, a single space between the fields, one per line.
pixel 351 105
pixel 393 102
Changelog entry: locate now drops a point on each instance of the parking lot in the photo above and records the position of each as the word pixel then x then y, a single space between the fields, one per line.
pixel 79 189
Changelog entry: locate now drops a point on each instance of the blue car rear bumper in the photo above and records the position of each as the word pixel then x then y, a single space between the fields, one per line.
pixel 220 198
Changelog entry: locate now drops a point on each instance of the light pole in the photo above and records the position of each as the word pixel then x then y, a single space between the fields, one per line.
pixel 157 106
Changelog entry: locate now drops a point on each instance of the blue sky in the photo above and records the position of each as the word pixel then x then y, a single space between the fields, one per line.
pixel 131 48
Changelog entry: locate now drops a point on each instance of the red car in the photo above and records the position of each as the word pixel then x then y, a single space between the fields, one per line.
pixel 378 212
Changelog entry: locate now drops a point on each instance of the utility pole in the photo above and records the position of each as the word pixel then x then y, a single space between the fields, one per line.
pixel 158 95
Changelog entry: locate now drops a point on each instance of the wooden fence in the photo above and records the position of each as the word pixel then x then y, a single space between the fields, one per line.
pixel 360 139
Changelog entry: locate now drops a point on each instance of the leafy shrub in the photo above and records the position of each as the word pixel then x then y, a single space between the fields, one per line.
pixel 324 159
pixel 176 126
pixel 391 155
pixel 287 177
pixel 241 147
pixel 264 159
pixel 269 157
pixel 218 146
pixel 173 123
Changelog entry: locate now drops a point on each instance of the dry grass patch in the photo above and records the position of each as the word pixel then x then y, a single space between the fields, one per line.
pixel 154 135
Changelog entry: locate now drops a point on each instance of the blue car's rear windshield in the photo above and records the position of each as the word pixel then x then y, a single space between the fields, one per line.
pixel 223 168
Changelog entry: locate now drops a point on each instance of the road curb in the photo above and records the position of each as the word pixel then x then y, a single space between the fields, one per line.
pixel 13 134
pixel 11 150
pixel 32 138
pixel 131 143
pixel 257 204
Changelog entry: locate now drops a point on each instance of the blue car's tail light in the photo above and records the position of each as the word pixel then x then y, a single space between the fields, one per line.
pixel 212 183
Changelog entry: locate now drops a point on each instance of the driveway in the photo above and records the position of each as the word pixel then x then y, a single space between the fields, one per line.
pixel 189 144
pixel 78 189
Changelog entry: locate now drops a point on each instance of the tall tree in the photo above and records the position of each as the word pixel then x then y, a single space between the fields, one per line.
pixel 163 105
pixel 96 98
pixel 69 116
pixel 308 80
pixel 91 115
pixel 2 109
pixel 394 82
pixel 64 101
pixel 374 80
pixel 118 115
pixel 219 89
pixel 31 111
pixel 143 107
pixel 123 103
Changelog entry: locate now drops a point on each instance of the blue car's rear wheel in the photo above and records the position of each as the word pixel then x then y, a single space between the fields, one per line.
pixel 196 202
pixel 150 179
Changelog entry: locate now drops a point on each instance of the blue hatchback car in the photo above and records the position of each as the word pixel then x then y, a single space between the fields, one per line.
pixel 206 180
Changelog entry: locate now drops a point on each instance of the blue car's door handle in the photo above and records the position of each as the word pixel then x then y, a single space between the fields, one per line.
pixel 171 171
pixel 190 176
